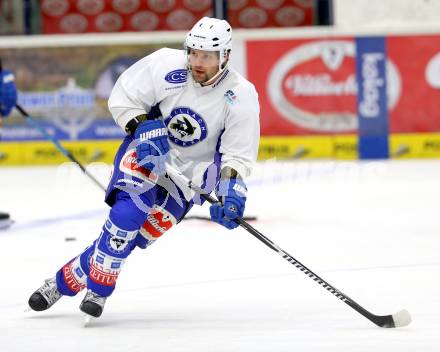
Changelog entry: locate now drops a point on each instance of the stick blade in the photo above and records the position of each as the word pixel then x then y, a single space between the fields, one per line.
pixel 402 318
pixel 397 320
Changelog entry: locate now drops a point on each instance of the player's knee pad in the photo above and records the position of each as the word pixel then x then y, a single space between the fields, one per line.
pixel 159 220
pixel 126 214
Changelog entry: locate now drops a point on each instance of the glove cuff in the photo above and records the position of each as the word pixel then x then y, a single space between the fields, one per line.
pixel 131 125
pixel 231 182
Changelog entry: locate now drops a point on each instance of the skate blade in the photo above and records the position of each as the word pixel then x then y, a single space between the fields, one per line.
pixel 87 320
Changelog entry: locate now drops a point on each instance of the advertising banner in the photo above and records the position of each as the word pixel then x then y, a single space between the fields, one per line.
pixel 417 60
pixel 66 90
pixel 310 87
pixel 317 95
pixel 306 86
pixel 270 13
pixel 84 16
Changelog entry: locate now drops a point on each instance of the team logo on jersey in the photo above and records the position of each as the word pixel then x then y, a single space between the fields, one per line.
pixel 176 76
pixel 185 127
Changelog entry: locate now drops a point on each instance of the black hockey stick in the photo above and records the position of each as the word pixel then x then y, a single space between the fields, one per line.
pixel 202 217
pixel 399 319
pixel 58 145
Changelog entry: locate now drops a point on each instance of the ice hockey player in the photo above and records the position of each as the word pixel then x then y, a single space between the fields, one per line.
pixel 8 99
pixel 206 124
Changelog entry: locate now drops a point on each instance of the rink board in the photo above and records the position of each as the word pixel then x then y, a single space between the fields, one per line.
pixel 339 147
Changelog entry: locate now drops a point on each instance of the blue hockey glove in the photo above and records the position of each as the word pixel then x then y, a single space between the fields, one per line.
pixel 8 92
pixel 232 195
pixel 152 145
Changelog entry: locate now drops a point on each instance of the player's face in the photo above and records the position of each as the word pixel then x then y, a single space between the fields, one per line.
pixel 204 64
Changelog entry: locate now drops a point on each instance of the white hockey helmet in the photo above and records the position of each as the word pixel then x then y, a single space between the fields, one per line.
pixel 211 34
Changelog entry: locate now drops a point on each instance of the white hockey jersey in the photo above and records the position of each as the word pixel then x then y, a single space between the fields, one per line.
pixel 219 121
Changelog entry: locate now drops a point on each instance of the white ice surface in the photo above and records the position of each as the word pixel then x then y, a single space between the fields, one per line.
pixel 370 229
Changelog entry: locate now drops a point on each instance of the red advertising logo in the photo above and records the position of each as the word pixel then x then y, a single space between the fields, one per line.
pixel 90 7
pixel 312 86
pixel 180 19
pixel 144 21
pixel 237 4
pixel 289 16
pixel 252 17
pixel 197 5
pixel 432 72
pixel 109 22
pixel 55 8
pixel 161 5
pixel 418 61
pixel 270 4
pixel 125 6
pixel 74 23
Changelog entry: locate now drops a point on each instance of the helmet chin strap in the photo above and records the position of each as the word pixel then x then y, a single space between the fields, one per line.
pixel 221 66
pixel 214 78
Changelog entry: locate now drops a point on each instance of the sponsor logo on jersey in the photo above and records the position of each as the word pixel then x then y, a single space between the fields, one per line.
pixel 305 82
pixel 185 127
pixel 176 76
pixel 231 98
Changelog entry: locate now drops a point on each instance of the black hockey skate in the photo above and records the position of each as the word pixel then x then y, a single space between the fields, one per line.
pixel 93 304
pixel 5 221
pixel 46 296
